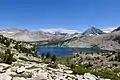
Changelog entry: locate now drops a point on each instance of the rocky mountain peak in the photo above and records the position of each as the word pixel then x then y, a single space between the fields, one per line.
pixel 92 31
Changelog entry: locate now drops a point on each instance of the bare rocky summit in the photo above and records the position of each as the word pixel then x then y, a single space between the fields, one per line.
pixel 93 31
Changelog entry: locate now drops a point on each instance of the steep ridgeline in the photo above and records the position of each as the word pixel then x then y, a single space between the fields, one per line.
pixel 118 29
pixel 11 50
pixel 93 31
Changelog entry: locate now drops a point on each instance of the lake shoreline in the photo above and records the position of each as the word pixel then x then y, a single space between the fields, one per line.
pixel 63 51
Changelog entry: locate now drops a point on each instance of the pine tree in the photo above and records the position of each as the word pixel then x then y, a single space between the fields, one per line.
pixel 7 43
pixel 48 55
pixel 42 55
pixel 54 58
pixel 8 57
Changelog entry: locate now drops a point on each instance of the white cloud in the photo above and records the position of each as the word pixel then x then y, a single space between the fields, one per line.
pixel 108 29
pixel 60 30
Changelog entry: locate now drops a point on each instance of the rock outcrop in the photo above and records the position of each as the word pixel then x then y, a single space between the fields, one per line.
pixel 35 71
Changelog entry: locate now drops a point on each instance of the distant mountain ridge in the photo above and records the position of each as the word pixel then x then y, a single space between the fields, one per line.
pixel 47 35
pixel 108 41
pixel 28 36
pixel 92 36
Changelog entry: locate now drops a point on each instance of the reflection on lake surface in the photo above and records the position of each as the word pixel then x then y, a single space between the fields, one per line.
pixel 63 51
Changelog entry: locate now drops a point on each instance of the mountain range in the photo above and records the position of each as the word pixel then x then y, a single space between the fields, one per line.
pixel 40 35
pixel 90 37
pixel 43 35
pixel 108 41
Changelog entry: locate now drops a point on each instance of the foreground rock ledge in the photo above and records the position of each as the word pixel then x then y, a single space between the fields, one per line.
pixel 35 71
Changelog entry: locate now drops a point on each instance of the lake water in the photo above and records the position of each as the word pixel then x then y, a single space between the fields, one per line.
pixel 63 51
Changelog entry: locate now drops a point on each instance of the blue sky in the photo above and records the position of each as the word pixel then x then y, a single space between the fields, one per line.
pixel 64 14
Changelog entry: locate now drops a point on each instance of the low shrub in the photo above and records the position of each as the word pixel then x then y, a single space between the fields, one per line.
pixel 102 73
